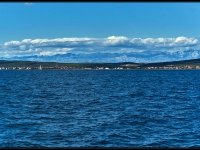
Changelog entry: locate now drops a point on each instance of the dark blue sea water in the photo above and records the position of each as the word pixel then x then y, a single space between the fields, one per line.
pixel 102 108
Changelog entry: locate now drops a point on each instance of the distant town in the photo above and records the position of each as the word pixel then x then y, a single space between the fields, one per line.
pixel 32 65
pixel 171 67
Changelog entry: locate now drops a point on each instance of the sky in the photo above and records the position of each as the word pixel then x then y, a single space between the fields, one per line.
pixel 100 32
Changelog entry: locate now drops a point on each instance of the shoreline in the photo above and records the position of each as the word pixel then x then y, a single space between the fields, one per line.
pixel 93 69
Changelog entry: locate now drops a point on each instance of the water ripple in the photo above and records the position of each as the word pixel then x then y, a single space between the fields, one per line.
pixel 77 108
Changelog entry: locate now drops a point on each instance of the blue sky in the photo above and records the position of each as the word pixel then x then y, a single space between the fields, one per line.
pixel 125 23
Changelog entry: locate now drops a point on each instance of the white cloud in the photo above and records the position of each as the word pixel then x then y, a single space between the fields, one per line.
pixel 165 42
pixel 28 4
pixel 143 47
pixel 113 40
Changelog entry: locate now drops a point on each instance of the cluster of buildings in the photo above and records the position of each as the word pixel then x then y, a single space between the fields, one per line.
pixel 60 68
pixel 105 68
pixel 168 67
pixel 175 67
pixel 15 68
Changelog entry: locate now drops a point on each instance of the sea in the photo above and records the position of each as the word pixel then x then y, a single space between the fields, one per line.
pixel 99 108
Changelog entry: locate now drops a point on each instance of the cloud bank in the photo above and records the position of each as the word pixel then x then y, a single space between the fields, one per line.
pixel 110 49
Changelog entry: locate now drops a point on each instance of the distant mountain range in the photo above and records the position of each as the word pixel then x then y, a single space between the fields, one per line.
pixel 184 64
pixel 106 57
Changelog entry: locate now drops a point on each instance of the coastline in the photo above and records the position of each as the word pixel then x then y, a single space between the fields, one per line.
pixel 97 69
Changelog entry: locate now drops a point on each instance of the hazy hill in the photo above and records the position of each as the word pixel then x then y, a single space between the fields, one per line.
pixel 174 63
pixel 36 64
